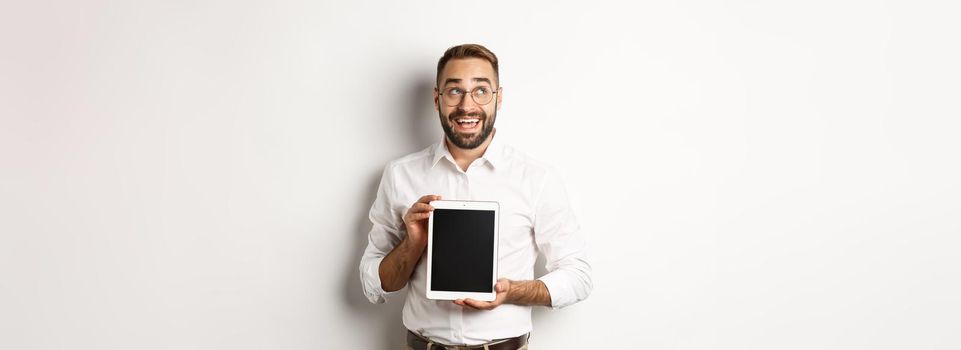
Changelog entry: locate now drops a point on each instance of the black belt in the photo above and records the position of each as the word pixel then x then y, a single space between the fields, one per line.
pixel 418 342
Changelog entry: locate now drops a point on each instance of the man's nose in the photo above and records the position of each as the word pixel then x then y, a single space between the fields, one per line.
pixel 467 103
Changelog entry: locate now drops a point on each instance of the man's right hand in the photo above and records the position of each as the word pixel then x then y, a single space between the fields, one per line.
pixel 397 266
pixel 416 219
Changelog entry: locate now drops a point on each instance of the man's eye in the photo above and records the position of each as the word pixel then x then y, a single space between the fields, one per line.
pixel 481 91
pixel 455 92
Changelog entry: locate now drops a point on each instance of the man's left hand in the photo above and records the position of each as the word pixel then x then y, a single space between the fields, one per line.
pixel 502 288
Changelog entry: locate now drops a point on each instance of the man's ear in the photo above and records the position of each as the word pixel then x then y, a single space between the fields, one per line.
pixel 436 99
pixel 500 97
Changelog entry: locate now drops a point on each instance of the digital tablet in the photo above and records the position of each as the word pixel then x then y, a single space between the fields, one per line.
pixel 462 250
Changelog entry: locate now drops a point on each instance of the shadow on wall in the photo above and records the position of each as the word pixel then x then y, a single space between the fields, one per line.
pixel 383 322
pixel 423 122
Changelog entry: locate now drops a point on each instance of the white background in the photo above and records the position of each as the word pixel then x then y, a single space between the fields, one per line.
pixel 749 174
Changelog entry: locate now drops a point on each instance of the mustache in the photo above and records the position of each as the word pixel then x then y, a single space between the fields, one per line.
pixel 463 113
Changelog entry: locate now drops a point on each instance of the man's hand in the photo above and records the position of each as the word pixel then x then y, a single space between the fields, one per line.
pixel 416 220
pixel 398 265
pixel 502 288
pixel 512 292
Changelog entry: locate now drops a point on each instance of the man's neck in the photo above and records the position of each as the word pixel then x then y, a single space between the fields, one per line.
pixel 464 157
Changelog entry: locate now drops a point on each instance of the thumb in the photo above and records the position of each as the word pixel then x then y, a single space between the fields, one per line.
pixel 502 285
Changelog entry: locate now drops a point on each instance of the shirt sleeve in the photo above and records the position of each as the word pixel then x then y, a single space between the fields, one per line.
pixel 557 235
pixel 384 235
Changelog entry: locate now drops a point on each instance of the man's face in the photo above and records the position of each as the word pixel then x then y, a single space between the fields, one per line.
pixel 463 83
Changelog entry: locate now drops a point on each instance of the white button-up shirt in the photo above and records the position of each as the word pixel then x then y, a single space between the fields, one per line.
pixel 535 217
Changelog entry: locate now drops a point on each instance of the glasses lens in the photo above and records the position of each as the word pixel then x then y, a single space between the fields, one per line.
pixel 453 96
pixel 482 95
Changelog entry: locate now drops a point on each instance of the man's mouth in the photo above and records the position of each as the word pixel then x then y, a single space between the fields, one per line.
pixel 467 124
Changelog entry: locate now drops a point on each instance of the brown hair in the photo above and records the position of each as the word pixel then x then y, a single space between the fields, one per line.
pixel 468 51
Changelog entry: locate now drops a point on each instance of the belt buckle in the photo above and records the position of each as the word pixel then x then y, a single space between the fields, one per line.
pixel 433 346
pixel 459 347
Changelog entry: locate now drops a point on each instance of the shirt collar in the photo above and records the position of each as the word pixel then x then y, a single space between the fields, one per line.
pixel 494 155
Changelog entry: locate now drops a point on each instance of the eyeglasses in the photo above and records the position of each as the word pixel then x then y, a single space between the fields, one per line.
pixel 481 95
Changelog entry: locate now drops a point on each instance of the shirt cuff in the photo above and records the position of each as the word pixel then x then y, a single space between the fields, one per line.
pixel 373 289
pixel 558 286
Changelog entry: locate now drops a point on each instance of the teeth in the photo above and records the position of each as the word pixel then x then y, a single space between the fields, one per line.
pixel 462 121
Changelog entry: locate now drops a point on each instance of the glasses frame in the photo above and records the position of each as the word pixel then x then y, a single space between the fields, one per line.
pixel 471 94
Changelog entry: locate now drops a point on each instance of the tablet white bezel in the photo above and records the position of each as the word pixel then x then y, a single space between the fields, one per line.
pixel 462 205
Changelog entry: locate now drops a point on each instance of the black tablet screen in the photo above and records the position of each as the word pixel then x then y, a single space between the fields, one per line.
pixel 462 251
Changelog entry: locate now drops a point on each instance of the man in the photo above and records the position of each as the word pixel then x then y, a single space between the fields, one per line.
pixel 471 164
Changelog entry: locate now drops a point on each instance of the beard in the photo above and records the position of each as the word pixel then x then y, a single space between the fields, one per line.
pixel 468 141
